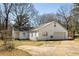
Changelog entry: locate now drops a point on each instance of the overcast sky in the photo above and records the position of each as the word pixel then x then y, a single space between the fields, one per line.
pixel 44 8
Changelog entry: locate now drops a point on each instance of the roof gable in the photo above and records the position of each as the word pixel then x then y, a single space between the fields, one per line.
pixel 46 24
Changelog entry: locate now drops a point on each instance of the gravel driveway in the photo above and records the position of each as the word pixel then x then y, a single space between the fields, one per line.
pixel 63 48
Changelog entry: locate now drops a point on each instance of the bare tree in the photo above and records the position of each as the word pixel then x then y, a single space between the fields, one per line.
pixel 68 19
pixel 75 12
pixel 7 10
pixel 1 19
pixel 23 14
pixel 64 14
pixel 47 18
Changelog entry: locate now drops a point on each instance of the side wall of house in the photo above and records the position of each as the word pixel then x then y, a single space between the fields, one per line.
pixel 46 32
pixel 60 32
pixel 23 35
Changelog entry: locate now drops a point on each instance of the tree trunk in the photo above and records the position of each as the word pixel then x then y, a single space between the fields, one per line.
pixel 6 22
pixel 6 28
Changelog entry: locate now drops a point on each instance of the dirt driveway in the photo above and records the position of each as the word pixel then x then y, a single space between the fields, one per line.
pixel 63 48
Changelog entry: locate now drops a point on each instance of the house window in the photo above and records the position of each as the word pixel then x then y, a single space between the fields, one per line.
pixel 45 34
pixel 31 34
pixel 35 33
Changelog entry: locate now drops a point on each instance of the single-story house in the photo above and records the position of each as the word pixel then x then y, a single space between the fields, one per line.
pixel 49 31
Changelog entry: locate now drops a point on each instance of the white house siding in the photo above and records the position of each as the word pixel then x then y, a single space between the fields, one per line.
pixel 23 35
pixel 20 34
pixel 60 32
pixel 57 32
pixel 49 29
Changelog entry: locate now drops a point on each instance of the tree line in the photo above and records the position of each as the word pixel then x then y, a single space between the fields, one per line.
pixel 25 15
pixel 17 14
pixel 67 17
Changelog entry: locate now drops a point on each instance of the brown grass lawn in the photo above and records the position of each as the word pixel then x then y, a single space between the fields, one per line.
pixel 15 52
pixel 77 40
pixel 34 43
pixel 52 48
pixel 27 42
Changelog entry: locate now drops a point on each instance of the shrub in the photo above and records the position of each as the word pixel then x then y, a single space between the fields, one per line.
pixel 9 46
